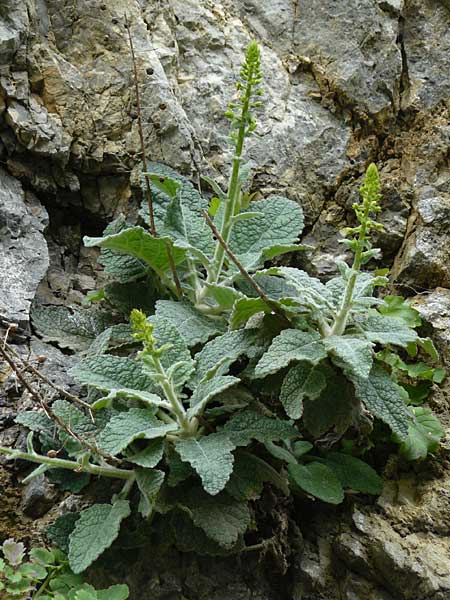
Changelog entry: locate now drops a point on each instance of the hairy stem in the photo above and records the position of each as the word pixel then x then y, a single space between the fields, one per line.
pixel 340 322
pixel 234 191
pixel 60 463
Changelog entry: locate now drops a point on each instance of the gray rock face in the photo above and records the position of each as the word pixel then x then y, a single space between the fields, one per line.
pixel 347 82
pixel 23 250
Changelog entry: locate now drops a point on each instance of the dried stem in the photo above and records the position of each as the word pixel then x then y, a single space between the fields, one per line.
pixel 144 163
pixel 48 411
pixel 29 367
pixel 272 305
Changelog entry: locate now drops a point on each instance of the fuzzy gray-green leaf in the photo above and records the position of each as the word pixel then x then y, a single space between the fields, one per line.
pixel 280 223
pixel 136 242
pixel 250 425
pixel 207 390
pixel 354 355
pixel 302 380
pixel 353 473
pixel 212 459
pixel 386 330
pixel 385 399
pixel 131 425
pixel 94 532
pixel 194 327
pixel 291 345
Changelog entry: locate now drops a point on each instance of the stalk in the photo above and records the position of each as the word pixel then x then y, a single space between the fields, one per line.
pixel 251 77
pixel 60 463
pixel 340 322
pixel 360 244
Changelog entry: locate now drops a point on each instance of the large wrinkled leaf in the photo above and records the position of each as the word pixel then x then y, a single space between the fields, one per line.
pixel 353 355
pixel 150 456
pixel 222 518
pixel 211 458
pixel 249 475
pixel 78 422
pixel 245 308
pixel 107 373
pixel 94 532
pixel 72 328
pixel 207 390
pixel 137 242
pixel 310 291
pixel 387 330
pixel 280 223
pixel 424 434
pixel 318 480
pixel 194 327
pixel 354 474
pixel 149 483
pixel 122 267
pixel 302 381
pixel 385 399
pixel 250 425
pixel 186 226
pixel 218 354
pixel 291 345
pixel 124 428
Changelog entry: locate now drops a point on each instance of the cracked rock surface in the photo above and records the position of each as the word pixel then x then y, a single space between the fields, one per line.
pixel 346 82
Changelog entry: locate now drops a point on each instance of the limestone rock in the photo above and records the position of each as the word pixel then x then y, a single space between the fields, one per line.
pixel 23 250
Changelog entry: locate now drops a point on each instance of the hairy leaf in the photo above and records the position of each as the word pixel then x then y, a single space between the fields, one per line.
pixel 109 372
pixel 280 223
pixel 149 483
pixel 353 355
pixel 73 328
pixel 250 425
pixel 222 518
pixel 318 480
pixel 194 327
pixel 302 380
pixel 211 458
pixel 385 399
pixel 136 242
pixel 291 345
pixel 150 456
pixel 95 530
pixel 387 330
pixel 124 428
pixel 207 390
pixel 218 354
pixel 332 408
pixel 122 267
